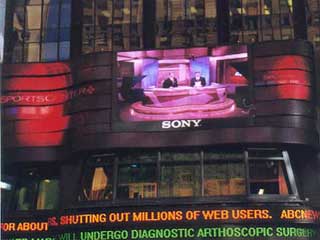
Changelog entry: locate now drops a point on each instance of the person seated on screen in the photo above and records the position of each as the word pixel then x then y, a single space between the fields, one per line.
pixel 197 80
pixel 129 93
pixel 171 81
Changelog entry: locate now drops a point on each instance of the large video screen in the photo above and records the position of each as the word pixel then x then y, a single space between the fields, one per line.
pixel 182 84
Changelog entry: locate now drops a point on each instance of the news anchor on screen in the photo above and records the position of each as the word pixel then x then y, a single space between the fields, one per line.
pixel 171 81
pixel 198 81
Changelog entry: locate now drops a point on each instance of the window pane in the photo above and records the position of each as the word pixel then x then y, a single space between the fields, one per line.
pixel 137 177
pixel 31 52
pixel 50 16
pixel 100 187
pixel 97 182
pixel 18 18
pixel 136 15
pixel 25 195
pixel 6 192
pixel 180 175
pixel 64 34
pixel 34 2
pixel 32 36
pixel 177 10
pixel 104 12
pixel 224 178
pixel 268 177
pixel 64 50
pixel 65 15
pixel 33 17
pixel 195 9
pixel 48 194
pixel 50 35
pixel 121 12
pixel 49 51
pixel 16 54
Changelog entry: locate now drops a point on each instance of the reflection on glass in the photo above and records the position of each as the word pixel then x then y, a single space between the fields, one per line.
pixel 64 50
pixel 31 52
pixel 65 19
pixel 25 195
pixel 224 178
pixel 34 2
pixel 137 177
pixel 260 20
pixel 50 16
pixel 50 35
pixel 180 175
pixel 268 177
pixel 49 51
pixel 183 23
pixel 48 193
pixel 31 18
pixel 100 187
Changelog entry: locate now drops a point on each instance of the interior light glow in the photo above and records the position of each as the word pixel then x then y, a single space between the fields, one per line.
pixel 6 186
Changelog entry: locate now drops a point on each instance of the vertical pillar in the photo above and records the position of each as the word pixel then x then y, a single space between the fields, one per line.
pixel 300 26
pixel 149 23
pixel 76 29
pixel 2 24
pixel 223 21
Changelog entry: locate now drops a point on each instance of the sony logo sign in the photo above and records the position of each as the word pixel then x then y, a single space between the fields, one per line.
pixel 181 124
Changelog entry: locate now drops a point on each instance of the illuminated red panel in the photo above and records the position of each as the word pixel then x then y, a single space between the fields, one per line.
pixel 36 83
pixel 35 98
pixel 35 140
pixel 298 92
pixel 26 112
pixel 283 77
pixel 32 88
pixel 35 69
pixel 282 62
pixel 37 126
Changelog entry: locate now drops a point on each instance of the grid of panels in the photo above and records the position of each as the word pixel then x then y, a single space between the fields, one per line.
pixel 40 31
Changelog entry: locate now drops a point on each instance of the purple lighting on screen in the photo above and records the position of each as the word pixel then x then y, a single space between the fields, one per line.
pixel 181 84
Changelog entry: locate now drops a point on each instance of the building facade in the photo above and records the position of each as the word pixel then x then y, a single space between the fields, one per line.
pixel 153 119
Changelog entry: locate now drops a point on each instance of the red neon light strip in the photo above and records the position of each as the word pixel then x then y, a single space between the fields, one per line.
pixel 283 92
pixel 283 77
pixel 35 69
pixel 27 112
pixel 34 83
pixel 35 140
pixel 282 62
pixel 37 126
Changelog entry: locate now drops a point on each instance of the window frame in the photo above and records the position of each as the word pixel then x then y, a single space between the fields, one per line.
pixel 18 53
pixel 291 197
pixel 39 174
pixel 290 179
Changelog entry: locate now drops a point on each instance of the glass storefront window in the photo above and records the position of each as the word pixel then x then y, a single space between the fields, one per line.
pixel 180 175
pixel 222 178
pixel 48 194
pixel 36 189
pixel 97 183
pixel 154 174
pixel 268 177
pixel 137 177
pixel 25 195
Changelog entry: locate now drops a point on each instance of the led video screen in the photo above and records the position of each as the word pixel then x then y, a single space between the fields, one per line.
pixel 182 84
